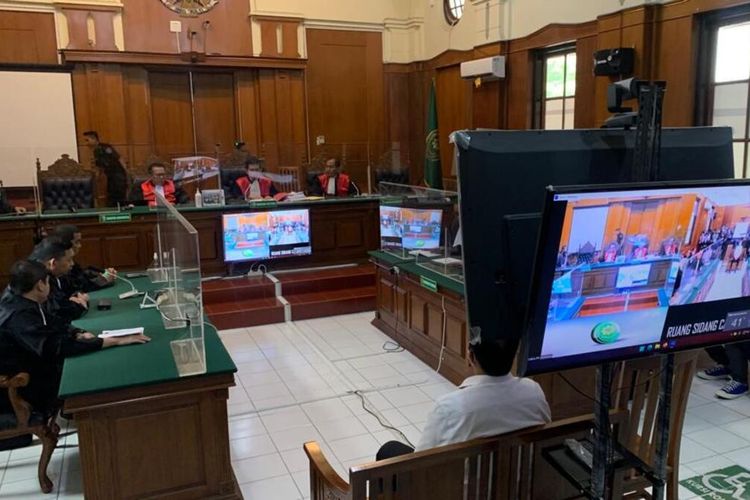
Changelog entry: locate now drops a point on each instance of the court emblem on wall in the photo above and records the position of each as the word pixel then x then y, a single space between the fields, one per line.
pixel 190 7
pixel 431 146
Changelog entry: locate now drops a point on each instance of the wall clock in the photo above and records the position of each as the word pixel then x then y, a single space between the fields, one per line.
pixel 190 7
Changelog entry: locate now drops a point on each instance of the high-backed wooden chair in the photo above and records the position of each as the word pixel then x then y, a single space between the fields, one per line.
pixel 24 420
pixel 65 184
pixel 293 185
pixel 638 394
pixel 503 467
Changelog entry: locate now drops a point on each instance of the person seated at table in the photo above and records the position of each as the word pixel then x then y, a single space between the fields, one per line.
pixel 489 403
pixel 145 193
pixel 252 187
pixel 68 305
pixel 78 278
pixel 36 342
pixel 333 182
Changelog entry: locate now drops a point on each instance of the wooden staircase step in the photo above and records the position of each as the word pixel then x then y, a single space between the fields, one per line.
pixel 331 303
pixel 232 290
pixel 245 313
pixel 325 280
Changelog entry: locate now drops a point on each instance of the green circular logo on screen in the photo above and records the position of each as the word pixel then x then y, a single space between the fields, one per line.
pixel 247 253
pixel 605 332
pixel 420 243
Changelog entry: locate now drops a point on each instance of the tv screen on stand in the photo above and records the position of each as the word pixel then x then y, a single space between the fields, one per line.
pixel 266 235
pixel 679 278
pixel 410 228
pixel 502 176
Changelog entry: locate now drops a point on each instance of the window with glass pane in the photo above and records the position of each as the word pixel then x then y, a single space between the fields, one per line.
pixel 559 90
pixel 730 86
pixel 454 9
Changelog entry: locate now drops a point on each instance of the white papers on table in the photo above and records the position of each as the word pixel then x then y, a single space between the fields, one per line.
pixel 447 261
pixel 121 333
pixel 424 253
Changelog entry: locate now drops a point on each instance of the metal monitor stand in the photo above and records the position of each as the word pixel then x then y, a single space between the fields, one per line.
pixel 645 168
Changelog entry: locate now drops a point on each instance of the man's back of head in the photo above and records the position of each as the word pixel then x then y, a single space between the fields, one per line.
pixel 493 357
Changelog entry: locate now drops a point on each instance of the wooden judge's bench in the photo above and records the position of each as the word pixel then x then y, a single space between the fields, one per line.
pixel 423 310
pixel 343 230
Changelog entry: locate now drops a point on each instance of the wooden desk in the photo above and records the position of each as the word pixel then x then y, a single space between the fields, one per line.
pixel 343 230
pixel 412 315
pixel 144 431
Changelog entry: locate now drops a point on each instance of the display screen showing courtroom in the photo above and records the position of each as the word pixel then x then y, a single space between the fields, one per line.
pixel 410 228
pixel 630 273
pixel 266 235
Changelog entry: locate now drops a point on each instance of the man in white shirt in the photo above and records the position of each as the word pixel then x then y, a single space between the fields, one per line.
pixel 489 403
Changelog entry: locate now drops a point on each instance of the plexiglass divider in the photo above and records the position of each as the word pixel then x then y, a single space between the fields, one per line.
pixel 180 303
pixel 421 224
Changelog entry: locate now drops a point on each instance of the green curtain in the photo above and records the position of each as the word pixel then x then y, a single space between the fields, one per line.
pixel 433 175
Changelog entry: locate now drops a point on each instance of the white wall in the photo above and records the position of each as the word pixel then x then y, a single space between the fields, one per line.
pixel 487 21
pixel 35 105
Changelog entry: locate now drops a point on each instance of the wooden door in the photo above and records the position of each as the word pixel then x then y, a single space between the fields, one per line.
pixel 213 95
pixel 172 114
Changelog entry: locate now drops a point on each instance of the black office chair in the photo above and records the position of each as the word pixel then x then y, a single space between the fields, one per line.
pixel 65 185
pixel 228 177
pixel 310 179
pixel 395 177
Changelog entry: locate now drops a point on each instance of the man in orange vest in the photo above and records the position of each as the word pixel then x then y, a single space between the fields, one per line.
pixel 333 182
pixel 145 193
pixel 251 187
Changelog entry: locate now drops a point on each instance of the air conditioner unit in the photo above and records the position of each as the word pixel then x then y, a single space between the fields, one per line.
pixel 489 68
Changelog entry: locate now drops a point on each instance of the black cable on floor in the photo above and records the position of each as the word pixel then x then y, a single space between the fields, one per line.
pixel 377 417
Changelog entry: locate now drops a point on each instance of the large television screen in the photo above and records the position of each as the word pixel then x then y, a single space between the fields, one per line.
pixel 502 179
pixel 628 272
pixel 410 228
pixel 266 235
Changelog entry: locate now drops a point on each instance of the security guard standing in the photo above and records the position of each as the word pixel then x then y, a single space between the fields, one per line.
pixel 108 159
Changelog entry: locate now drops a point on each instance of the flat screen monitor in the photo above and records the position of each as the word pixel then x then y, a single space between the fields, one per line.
pixel 410 228
pixel 390 227
pixel 502 179
pixel 652 300
pixel 421 228
pixel 266 235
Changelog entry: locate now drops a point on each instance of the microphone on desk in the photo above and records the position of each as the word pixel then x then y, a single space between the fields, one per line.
pixel 133 292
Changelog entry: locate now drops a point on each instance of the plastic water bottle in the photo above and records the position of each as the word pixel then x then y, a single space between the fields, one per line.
pixel 198 199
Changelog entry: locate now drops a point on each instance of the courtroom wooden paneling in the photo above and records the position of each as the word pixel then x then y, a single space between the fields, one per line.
pixel 454 107
pixel 146 29
pixel 345 93
pixel 172 114
pixel 413 316
pixel 398 102
pixel 520 74
pixel 282 122
pixel 27 38
pixel 278 36
pixel 102 18
pixel 16 243
pixel 247 108
pixel 585 80
pixel 123 435
pixel 676 55
pixel 214 112
pixel 138 118
pixel 341 233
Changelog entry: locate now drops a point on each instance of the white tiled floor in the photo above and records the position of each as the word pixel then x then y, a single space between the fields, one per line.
pixel 295 384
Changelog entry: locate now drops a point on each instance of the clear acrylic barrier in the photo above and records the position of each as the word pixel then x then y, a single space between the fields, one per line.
pixel 422 224
pixel 181 301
